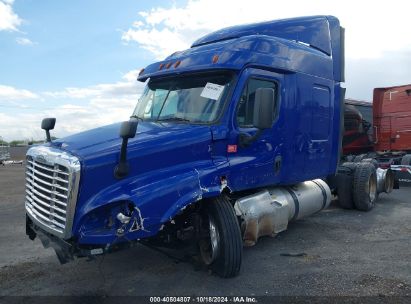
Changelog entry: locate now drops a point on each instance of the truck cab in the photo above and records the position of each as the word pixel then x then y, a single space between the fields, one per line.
pixel 358 137
pixel 229 141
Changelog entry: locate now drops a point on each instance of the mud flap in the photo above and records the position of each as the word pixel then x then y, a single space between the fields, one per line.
pixel 402 176
pixel 29 231
pixel 396 182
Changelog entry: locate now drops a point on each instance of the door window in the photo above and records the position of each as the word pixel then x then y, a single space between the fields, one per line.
pixel 245 110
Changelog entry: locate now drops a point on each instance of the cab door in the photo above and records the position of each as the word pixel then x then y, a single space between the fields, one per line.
pixel 259 162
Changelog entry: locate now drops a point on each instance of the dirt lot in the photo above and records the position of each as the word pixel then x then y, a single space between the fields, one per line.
pixel 339 252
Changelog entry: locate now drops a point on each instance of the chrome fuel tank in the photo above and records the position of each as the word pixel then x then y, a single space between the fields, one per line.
pixel 269 211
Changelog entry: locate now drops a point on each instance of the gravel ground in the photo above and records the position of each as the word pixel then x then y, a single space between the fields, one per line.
pixel 340 252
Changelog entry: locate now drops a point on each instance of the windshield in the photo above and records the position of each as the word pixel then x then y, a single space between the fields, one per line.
pixel 188 99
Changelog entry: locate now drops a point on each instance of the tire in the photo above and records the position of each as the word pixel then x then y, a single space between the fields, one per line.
pixel 348 165
pixel 221 249
pixel 345 179
pixel 358 158
pixel 344 191
pixel 365 186
pixel 350 158
pixel 370 155
pixel 371 161
pixel 406 160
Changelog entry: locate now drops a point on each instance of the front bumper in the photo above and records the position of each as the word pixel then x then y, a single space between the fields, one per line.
pixel 66 251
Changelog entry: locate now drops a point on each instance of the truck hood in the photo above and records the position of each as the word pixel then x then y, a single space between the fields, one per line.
pixel 105 141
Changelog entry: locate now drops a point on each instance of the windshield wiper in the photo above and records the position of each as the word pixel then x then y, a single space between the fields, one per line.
pixel 174 119
pixel 135 116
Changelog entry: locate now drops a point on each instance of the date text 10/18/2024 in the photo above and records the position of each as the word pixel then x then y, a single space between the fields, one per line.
pixel 206 299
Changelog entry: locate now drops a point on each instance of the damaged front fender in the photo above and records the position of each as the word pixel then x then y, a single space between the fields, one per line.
pixel 149 202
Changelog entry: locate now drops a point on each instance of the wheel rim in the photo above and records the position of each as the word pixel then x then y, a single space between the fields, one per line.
pixel 389 181
pixel 372 188
pixel 210 246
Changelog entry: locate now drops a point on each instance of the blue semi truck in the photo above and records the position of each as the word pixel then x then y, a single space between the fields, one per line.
pixel 231 139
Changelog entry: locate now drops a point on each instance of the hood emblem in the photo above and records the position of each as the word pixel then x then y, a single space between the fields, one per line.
pixel 41 159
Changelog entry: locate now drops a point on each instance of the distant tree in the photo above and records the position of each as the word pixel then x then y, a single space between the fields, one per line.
pixel 33 142
pixel 14 143
pixel 25 142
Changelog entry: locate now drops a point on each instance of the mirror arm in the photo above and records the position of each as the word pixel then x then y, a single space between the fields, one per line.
pixel 122 168
pixel 48 136
pixel 247 139
pixel 128 130
pixel 123 151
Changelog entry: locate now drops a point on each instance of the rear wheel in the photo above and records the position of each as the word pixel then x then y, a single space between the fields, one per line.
pixel 371 155
pixel 345 185
pixel 365 186
pixel 350 158
pixel 344 191
pixel 406 160
pixel 359 158
pixel 371 161
pixel 221 244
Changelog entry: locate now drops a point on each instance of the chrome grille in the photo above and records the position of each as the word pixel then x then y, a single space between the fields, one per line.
pixel 51 189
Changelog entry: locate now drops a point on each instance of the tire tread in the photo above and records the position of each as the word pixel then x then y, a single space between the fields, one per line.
pixel 363 173
pixel 223 213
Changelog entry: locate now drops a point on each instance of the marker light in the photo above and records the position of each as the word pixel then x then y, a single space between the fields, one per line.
pixel 177 64
pixel 215 58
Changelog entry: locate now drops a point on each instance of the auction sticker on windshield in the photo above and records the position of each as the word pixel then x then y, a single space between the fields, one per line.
pixel 212 91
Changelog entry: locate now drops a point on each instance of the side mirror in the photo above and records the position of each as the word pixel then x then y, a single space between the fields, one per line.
pixel 48 124
pixel 264 108
pixel 128 130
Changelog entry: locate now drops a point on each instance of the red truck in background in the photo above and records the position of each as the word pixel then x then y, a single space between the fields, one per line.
pixel 381 130
pixel 392 119
pixel 358 135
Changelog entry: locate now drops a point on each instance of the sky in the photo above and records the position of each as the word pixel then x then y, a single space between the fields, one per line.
pixel 78 60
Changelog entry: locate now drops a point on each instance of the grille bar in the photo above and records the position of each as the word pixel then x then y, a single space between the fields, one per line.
pixel 48 198
pixel 30 193
pixel 33 183
pixel 46 220
pixel 52 178
pixel 44 182
pixel 33 169
pixel 45 211
pixel 48 168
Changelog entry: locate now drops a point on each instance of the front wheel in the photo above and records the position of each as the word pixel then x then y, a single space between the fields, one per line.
pixel 221 243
